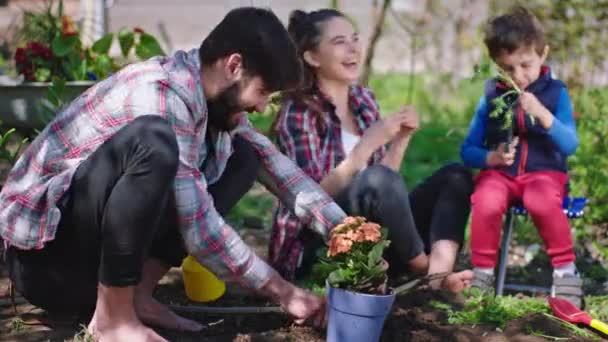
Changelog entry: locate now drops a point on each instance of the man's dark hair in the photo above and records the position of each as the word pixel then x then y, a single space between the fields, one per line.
pixel 509 32
pixel 262 41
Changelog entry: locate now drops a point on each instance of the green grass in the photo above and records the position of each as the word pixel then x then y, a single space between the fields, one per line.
pixel 83 335
pixel 16 325
pixel 575 329
pixel 597 307
pixel 486 309
pixel 481 308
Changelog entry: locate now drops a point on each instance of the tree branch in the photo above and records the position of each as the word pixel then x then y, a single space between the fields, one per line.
pixel 371 47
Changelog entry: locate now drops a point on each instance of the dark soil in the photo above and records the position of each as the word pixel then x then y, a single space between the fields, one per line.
pixel 412 319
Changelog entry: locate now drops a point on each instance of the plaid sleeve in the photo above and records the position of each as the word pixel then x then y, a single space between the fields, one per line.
pixel 215 244
pixel 297 137
pixel 294 188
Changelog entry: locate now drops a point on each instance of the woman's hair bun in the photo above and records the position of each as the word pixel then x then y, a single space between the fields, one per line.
pixel 297 18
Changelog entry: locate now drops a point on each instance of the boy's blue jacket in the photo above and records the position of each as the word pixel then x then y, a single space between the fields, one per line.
pixel 539 149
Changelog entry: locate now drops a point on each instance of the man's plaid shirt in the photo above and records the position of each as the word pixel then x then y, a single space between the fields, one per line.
pixel 169 87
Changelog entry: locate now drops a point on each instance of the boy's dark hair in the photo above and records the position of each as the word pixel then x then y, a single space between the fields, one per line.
pixel 508 32
pixel 262 41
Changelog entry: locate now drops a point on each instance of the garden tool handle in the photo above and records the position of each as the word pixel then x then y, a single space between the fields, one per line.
pixel 599 325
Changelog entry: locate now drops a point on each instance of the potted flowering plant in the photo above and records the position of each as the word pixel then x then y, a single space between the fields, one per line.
pixel 50 50
pixel 356 286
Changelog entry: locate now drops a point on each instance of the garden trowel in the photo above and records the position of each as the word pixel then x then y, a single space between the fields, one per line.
pixel 416 283
pixel 563 309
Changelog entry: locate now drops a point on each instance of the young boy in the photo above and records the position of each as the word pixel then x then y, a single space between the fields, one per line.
pixel 531 167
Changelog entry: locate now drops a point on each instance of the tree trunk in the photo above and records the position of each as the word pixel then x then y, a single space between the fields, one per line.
pixel 375 36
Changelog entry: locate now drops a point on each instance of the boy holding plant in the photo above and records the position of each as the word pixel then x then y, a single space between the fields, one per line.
pixel 530 168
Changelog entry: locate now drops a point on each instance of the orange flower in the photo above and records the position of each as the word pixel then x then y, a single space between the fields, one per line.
pixel 338 244
pixel 339 229
pixel 353 220
pixel 370 232
pixel 355 235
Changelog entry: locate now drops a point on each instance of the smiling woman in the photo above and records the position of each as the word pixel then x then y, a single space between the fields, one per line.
pixel 331 127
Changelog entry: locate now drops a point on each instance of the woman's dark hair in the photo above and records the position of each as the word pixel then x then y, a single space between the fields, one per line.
pixel 306 29
pixel 261 39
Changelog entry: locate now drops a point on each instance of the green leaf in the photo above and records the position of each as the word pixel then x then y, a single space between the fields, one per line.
pixel 42 74
pixel 103 45
pixel 83 69
pixel 62 45
pixel 335 278
pixel 339 276
pixel 148 47
pixel 58 85
pixel 374 256
pixel 102 66
pixel 126 39
pixel 5 137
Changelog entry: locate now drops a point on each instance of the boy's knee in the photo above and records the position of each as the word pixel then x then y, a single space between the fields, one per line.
pixel 542 205
pixel 485 205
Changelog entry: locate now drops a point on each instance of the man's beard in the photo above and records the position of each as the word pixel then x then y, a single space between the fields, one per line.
pixel 222 109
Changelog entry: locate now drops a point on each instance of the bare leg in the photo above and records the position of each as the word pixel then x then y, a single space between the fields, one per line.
pixel 115 319
pixel 152 312
pixel 442 259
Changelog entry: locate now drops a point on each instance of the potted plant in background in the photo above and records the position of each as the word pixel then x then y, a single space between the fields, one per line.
pixel 356 287
pixel 53 66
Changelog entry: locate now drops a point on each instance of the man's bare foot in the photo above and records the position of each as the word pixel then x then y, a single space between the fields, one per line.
pixel 456 282
pixel 154 313
pixel 115 319
pixel 126 331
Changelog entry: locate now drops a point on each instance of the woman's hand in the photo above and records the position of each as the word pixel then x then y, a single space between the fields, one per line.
pixel 406 121
pixel 410 125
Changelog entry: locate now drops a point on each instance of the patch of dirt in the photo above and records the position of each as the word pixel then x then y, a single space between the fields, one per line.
pixel 412 319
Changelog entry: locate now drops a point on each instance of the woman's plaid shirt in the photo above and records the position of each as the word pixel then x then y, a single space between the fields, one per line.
pixel 316 148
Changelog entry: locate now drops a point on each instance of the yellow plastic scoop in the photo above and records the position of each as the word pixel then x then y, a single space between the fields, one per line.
pixel 201 285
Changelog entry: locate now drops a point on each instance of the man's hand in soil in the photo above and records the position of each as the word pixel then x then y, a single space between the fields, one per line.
pixel 303 305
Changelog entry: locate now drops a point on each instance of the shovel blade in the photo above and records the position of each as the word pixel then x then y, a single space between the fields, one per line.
pixel 567 311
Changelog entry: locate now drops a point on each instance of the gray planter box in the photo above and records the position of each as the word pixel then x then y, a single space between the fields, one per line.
pixel 21 106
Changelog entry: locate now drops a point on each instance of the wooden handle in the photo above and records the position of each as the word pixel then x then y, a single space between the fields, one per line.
pixel 599 325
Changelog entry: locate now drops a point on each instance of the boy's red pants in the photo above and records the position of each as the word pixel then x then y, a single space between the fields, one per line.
pixel 542 195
